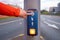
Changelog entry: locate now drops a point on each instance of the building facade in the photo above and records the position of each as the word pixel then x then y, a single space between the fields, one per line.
pixel 54 10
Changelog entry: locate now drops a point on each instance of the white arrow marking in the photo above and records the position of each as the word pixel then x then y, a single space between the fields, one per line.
pixel 51 25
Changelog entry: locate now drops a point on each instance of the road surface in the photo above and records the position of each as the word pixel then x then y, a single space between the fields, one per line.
pixel 50 27
pixel 11 27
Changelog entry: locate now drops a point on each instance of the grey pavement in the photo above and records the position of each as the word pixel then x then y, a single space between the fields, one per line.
pixel 50 27
pixel 11 29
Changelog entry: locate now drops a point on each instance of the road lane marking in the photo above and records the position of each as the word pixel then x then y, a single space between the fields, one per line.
pixel 51 25
pixel 9 22
pixel 41 38
pixel 20 35
pixel 53 22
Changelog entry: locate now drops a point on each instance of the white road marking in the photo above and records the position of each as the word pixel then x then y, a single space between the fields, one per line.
pixel 20 35
pixel 41 38
pixel 9 22
pixel 51 25
pixel 53 22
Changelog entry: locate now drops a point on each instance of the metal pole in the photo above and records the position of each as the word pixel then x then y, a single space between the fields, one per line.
pixel 33 4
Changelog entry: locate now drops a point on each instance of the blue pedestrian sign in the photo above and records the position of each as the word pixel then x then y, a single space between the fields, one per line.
pixel 32 22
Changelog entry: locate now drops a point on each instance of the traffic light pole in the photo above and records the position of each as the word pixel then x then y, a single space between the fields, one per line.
pixel 32 4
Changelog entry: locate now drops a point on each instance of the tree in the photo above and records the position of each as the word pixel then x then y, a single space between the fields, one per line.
pixel 44 12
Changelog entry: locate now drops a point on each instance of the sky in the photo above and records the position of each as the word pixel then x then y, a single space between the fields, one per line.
pixel 14 2
pixel 46 4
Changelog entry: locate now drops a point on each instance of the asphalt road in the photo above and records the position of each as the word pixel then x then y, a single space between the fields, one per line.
pixel 50 27
pixel 10 28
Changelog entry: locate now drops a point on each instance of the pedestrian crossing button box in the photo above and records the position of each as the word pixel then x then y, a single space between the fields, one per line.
pixel 32 22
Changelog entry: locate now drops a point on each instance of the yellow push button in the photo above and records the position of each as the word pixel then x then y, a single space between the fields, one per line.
pixel 32 31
